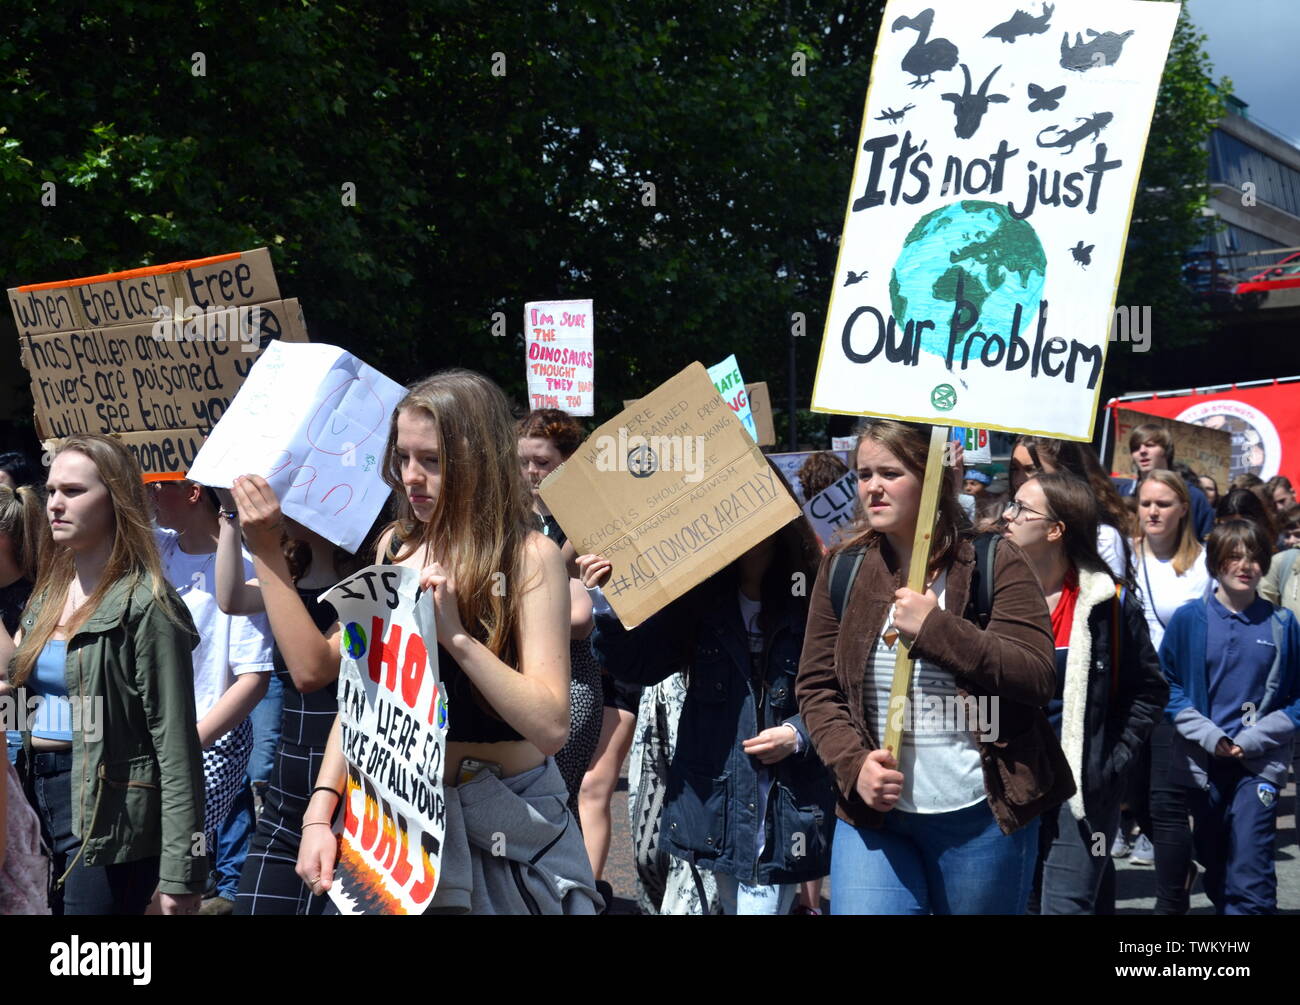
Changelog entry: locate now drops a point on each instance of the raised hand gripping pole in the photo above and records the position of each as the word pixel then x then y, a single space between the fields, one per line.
pixel 935 472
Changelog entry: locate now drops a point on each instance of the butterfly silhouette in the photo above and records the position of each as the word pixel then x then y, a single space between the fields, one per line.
pixel 1045 101
pixel 1082 255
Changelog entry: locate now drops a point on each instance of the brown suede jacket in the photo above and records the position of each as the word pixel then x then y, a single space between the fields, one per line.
pixel 1025 770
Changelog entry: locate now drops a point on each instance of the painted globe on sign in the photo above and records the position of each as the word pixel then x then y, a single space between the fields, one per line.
pixel 998 260
pixel 354 640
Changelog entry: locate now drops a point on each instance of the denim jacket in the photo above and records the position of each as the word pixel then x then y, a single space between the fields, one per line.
pixel 711 817
pixel 137 782
pixel 1267 742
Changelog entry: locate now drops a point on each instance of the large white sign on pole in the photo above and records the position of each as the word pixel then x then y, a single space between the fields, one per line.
pixel 560 356
pixel 313 421
pixel 996 169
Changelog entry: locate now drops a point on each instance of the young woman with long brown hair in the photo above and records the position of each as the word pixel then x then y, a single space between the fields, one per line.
pixel 103 629
pixel 947 825
pixel 503 658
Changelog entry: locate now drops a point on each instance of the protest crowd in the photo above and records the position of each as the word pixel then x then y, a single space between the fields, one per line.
pixel 1110 633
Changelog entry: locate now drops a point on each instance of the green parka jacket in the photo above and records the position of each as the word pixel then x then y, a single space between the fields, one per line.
pixel 137 768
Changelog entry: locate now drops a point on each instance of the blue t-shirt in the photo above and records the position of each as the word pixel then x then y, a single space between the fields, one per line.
pixel 53 720
pixel 1239 652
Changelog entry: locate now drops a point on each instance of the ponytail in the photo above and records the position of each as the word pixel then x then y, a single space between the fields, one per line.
pixel 22 520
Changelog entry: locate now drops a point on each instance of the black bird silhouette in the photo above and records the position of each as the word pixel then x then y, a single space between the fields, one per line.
pixel 1082 255
pixel 970 108
pixel 1045 101
pixel 855 277
pixel 926 58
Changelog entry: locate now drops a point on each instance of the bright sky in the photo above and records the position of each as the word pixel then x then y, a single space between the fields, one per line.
pixel 1255 43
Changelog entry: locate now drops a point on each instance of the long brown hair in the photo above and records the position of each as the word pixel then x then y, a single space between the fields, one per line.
pixel 483 513
pixel 910 443
pixel 1070 500
pixel 22 520
pixel 1080 461
pixel 1189 549
pixel 134 554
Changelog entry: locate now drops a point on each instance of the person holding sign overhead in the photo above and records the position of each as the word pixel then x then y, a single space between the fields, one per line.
pixel 501 598
pixel 948 824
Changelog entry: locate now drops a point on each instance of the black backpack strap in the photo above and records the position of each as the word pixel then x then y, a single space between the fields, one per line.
pixel 844 570
pixel 986 546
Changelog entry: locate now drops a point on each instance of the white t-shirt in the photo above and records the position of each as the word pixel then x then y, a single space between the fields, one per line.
pixel 229 644
pixel 1164 591
pixel 940 760
pixel 1110 546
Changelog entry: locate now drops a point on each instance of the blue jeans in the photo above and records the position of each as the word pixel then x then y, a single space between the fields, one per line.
pixel 741 898
pixel 266 732
pixel 933 863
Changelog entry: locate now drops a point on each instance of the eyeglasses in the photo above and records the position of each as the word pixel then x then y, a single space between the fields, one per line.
pixel 1016 509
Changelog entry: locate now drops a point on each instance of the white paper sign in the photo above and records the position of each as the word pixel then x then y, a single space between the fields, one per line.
pixel 726 378
pixel 833 510
pixel 975 445
pixel 990 204
pixel 393 716
pixel 313 421
pixel 560 356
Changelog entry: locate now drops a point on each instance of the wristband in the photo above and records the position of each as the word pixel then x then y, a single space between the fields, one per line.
pixel 227 514
pixel 324 788
pixel 316 823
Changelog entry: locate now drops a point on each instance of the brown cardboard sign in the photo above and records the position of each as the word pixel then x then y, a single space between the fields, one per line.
pixel 761 404
pixel 670 491
pixel 246 278
pixel 1206 451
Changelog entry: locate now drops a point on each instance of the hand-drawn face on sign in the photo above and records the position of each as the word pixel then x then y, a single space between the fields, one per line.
pixel 988 214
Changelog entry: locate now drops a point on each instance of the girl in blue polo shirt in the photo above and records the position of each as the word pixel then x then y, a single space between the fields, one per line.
pixel 1233 665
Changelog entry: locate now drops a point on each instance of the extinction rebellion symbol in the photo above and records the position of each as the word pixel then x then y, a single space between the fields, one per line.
pixel 943 397
pixel 641 461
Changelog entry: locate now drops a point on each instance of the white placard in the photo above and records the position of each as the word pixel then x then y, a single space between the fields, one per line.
pixel 990 204
pixel 313 421
pixel 975 445
pixel 727 379
pixel 560 356
pixel 832 511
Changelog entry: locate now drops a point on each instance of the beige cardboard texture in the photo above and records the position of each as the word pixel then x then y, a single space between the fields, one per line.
pixel 128 301
pixel 760 402
pixel 37 312
pixel 670 491
pixel 248 279
pixel 1206 451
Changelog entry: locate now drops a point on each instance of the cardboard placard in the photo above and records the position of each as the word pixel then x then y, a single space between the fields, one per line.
pixel 989 209
pixel 1207 451
pixel 313 421
pixel 121 354
pixel 761 404
pixel 393 716
pixel 560 355
pixel 670 492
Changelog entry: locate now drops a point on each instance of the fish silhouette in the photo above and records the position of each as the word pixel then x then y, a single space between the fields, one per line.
pixel 1022 23
pixel 1103 50
pixel 1045 101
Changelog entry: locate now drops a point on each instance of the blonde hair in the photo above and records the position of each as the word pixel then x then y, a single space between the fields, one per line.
pixel 22 520
pixel 483 513
pixel 1189 549
pixel 134 554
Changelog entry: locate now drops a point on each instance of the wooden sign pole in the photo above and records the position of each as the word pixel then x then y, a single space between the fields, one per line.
pixel 935 472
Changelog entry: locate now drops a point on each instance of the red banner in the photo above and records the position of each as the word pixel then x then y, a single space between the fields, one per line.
pixel 1264 422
